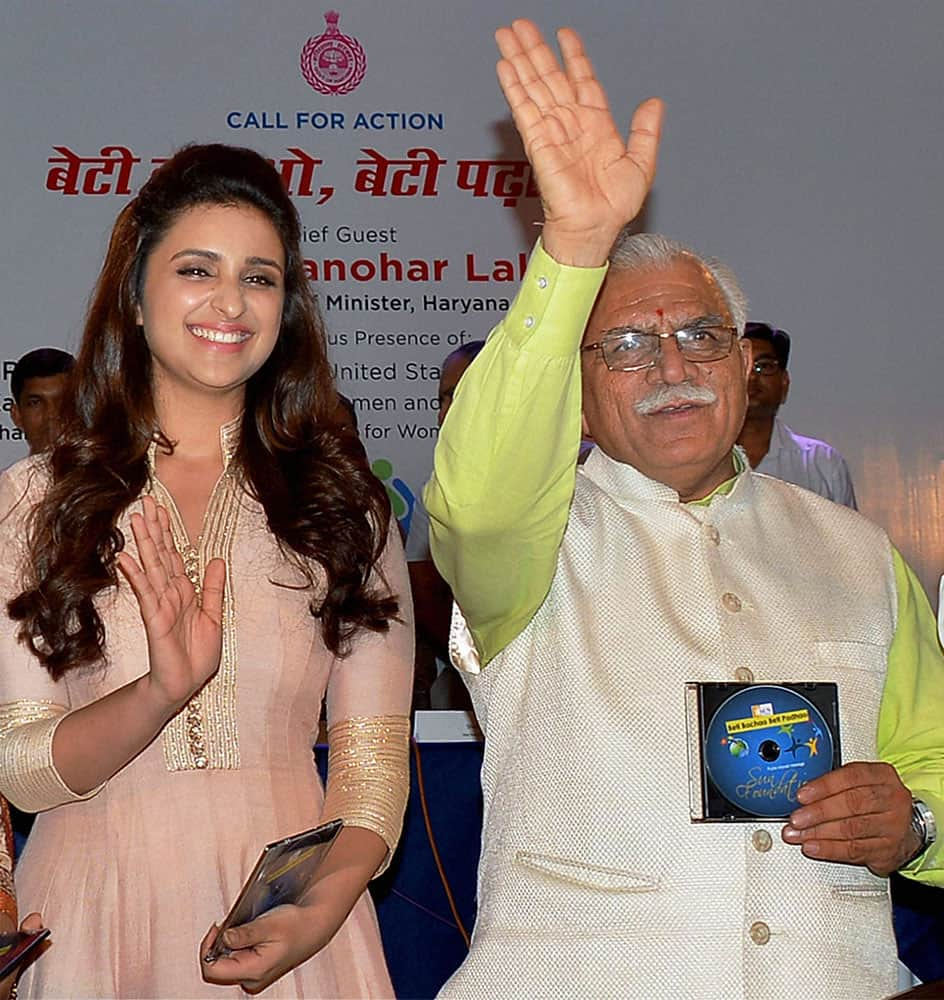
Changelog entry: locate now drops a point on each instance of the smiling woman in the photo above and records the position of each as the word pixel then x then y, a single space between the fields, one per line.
pixel 202 561
pixel 217 274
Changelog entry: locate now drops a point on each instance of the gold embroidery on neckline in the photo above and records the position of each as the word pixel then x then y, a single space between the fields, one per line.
pixel 204 735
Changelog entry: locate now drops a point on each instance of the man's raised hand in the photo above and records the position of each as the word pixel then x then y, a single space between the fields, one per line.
pixel 592 182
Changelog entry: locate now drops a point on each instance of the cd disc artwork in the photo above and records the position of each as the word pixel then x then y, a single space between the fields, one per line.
pixel 762 744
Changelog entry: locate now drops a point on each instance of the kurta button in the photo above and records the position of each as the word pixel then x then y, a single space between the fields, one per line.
pixel 529 321
pixel 744 674
pixel 762 842
pixel 731 602
pixel 712 534
pixel 542 282
pixel 760 932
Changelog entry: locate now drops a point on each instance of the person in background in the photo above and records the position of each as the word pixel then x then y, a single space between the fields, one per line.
pixel 203 559
pixel 771 446
pixel 37 386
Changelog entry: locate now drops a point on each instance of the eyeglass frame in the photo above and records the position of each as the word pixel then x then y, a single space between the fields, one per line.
pixel 706 323
pixel 775 370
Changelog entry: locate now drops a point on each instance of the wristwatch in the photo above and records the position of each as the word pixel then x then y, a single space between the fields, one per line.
pixel 924 825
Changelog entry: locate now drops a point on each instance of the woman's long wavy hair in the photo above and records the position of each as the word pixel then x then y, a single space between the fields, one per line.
pixel 310 474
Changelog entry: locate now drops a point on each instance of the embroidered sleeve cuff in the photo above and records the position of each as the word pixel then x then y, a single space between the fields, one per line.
pixel 29 777
pixel 369 776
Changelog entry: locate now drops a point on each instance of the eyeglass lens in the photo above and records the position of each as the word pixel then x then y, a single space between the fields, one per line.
pixel 631 348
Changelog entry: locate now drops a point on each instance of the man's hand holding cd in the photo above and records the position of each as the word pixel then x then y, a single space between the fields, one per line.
pixel 859 814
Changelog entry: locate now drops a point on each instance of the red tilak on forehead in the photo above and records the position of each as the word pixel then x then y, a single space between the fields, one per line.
pixel 660 313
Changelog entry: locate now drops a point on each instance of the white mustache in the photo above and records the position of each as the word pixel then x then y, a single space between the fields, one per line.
pixel 667 395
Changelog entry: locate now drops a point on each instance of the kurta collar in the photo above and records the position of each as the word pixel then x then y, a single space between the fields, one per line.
pixel 626 483
pixel 229 442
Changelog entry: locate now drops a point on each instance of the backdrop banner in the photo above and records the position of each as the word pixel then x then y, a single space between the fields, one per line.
pixel 803 147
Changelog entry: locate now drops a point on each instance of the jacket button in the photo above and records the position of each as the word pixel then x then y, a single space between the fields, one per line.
pixel 762 841
pixel 760 932
pixel 731 602
pixel 712 534
pixel 744 674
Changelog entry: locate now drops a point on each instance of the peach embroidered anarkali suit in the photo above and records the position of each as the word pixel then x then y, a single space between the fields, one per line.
pixel 130 877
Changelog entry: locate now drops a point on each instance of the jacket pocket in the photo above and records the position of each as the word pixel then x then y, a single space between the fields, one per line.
pixel 586 875
pixel 862 890
pixel 847 655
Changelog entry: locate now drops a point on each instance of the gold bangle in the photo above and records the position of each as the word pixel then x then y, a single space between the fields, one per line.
pixel 369 775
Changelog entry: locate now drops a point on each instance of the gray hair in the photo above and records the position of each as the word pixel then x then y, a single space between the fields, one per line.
pixel 649 251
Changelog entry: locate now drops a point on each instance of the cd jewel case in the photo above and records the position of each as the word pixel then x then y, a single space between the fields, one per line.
pixel 283 874
pixel 753 746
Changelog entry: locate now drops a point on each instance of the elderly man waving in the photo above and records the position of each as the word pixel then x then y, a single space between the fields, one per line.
pixel 587 600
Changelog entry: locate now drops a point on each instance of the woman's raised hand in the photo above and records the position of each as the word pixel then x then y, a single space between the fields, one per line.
pixel 592 182
pixel 184 634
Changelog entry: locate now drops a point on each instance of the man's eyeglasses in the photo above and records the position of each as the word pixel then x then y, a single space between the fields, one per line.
pixel 766 366
pixel 629 350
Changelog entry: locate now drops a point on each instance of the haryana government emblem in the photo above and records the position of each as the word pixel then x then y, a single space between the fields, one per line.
pixel 333 63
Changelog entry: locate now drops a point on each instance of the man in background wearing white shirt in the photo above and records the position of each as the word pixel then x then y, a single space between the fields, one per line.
pixel 771 446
